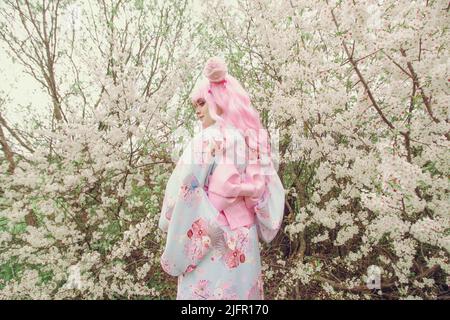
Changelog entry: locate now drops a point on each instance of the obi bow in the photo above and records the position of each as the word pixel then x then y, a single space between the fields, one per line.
pixel 235 194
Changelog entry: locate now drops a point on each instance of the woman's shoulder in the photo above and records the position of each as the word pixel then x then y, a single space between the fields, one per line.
pixel 205 134
pixel 226 135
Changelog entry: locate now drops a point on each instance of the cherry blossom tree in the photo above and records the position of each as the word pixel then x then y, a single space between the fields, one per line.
pixel 81 204
pixel 358 92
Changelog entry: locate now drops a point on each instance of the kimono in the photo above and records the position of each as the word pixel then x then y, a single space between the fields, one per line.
pixel 215 210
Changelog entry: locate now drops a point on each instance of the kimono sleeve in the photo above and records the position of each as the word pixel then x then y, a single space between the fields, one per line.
pixel 270 207
pixel 187 215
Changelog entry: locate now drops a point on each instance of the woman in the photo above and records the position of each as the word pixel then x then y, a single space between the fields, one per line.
pixel 223 195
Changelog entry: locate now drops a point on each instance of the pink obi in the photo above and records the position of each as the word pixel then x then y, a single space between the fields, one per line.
pixel 235 195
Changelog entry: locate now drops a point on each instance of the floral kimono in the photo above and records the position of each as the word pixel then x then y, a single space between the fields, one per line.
pixel 214 211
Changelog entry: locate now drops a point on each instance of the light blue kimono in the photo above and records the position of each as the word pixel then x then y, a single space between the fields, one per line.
pixel 211 260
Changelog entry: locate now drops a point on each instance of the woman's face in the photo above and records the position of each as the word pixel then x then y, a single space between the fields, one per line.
pixel 202 112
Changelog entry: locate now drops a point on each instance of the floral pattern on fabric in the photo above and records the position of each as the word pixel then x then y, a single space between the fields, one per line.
pixel 211 260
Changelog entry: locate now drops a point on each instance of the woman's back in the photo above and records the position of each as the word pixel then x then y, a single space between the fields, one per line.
pixel 216 219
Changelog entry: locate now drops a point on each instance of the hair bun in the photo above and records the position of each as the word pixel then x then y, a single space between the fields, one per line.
pixel 215 69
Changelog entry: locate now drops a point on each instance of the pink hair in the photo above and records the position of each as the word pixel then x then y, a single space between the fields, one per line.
pixel 220 89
